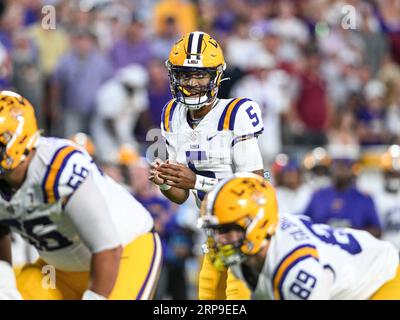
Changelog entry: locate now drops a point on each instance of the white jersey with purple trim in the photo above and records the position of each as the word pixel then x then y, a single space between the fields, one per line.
pixel 314 261
pixel 388 207
pixel 208 148
pixel 36 210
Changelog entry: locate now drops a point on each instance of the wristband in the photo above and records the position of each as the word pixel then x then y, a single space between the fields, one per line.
pixel 204 183
pixel 164 187
pixel 91 295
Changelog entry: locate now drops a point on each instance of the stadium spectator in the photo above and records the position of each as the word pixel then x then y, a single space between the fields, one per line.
pixel 78 76
pixel 165 39
pixel 158 90
pixel 182 11
pixel 119 104
pixel 27 73
pixel 291 193
pixel 313 110
pixel 268 87
pixel 316 169
pixel 133 48
pixel 371 117
pixel 342 204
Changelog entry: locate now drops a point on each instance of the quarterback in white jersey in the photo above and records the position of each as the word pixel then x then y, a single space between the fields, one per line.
pixel 207 138
pixel 80 220
pixel 289 257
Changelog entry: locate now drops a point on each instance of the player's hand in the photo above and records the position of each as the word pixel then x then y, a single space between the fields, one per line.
pixel 154 174
pixel 177 175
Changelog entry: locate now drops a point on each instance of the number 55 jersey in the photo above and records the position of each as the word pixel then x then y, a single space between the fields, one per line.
pixel 36 209
pixel 314 261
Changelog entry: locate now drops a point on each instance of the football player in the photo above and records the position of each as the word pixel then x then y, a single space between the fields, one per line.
pixel 207 139
pixel 387 197
pixel 290 257
pixel 89 231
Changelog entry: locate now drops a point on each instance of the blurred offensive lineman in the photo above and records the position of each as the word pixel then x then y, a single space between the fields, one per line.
pixel 93 233
pixel 289 257
pixel 207 139
pixel 387 197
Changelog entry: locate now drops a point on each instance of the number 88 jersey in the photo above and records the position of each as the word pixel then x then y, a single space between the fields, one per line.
pixel 314 261
pixel 215 148
pixel 36 210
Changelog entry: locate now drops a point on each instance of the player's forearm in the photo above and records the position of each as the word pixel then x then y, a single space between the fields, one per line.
pixel 176 195
pixel 259 172
pixel 104 271
pixel 5 248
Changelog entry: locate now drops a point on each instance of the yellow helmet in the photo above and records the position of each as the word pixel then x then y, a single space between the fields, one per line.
pixel 18 130
pixel 318 157
pixel 127 155
pixel 196 52
pixel 83 140
pixel 390 163
pixel 390 160
pixel 245 202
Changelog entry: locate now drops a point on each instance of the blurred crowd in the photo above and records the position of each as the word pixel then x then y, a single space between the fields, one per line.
pixel 327 79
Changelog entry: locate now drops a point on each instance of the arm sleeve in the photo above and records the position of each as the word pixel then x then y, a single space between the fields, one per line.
pixel 248 126
pixel 68 168
pixel 246 155
pixel 91 217
pixel 170 138
pixel 248 120
pixel 171 151
pixel 306 280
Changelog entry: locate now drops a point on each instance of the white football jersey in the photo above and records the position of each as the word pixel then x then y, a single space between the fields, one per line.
pixel 207 149
pixel 293 201
pixel 388 207
pixel 36 210
pixel 314 261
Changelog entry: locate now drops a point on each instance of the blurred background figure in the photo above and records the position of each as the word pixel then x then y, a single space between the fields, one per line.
pixel 183 13
pixel 120 103
pixel 76 80
pixel 387 197
pixel 85 141
pixel 291 193
pixel 317 171
pixel 158 91
pixel 269 87
pixel 342 204
pixel 371 117
pixel 163 41
pixel 133 48
pixel 311 115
